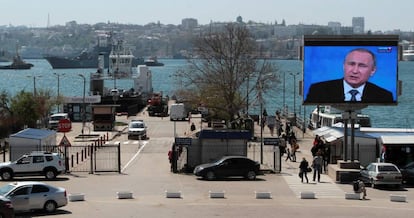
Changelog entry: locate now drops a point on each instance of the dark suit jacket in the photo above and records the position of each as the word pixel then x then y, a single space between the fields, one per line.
pixel 333 92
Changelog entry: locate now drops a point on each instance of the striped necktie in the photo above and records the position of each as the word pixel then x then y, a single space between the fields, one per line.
pixel 353 93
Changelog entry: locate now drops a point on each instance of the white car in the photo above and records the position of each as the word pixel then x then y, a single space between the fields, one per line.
pixel 27 196
pixel 382 174
pixel 36 163
pixel 138 129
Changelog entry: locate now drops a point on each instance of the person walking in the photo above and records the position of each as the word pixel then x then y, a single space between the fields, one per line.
pixel 317 166
pixel 288 155
pixel 303 169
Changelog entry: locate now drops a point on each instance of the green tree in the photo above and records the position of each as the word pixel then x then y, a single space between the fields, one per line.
pixel 223 69
pixel 5 115
pixel 28 109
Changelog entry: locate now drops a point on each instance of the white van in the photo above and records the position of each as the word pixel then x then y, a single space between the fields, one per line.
pixel 178 112
pixel 54 119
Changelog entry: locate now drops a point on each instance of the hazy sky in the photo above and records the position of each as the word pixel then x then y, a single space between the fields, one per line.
pixel 379 14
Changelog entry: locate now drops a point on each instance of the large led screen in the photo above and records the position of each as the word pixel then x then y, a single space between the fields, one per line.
pixel 350 70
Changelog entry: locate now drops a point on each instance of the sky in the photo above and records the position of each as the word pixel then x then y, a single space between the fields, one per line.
pixel 379 14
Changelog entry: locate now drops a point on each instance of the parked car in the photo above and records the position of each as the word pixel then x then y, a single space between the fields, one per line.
pixel 407 172
pixel 27 196
pixel 6 208
pixel 229 166
pixel 382 174
pixel 36 163
pixel 137 128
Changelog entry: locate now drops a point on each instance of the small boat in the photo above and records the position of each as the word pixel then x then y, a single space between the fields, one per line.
pixel 408 54
pixel 153 62
pixel 328 116
pixel 17 64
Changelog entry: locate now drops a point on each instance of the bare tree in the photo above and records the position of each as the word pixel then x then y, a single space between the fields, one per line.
pixel 224 71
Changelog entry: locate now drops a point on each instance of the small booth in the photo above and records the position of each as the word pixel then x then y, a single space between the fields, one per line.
pixel 103 117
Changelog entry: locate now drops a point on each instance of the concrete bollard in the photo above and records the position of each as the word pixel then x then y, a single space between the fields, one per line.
pixel 124 195
pixel 263 195
pixel 76 197
pixel 398 198
pixel 353 196
pixel 216 194
pixel 173 194
pixel 307 195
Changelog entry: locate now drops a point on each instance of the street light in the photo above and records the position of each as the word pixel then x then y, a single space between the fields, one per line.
pixel 34 84
pixel 58 89
pixel 83 106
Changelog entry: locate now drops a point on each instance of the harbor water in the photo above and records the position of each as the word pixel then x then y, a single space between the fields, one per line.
pixel 42 76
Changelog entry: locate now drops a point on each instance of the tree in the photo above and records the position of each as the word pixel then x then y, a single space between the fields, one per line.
pixel 27 109
pixel 222 70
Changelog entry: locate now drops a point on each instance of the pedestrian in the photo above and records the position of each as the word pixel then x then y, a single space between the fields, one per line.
pixel 317 166
pixel 288 155
pixel 361 189
pixel 303 170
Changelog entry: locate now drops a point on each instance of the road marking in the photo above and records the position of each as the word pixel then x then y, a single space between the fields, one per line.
pixel 135 156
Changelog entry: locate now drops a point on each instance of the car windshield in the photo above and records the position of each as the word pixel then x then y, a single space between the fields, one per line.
pixel 137 125
pixel 5 189
pixel 387 169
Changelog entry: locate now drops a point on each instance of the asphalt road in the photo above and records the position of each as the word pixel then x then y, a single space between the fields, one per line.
pixel 146 173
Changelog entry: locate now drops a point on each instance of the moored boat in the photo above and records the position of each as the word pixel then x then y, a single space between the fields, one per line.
pixel 408 54
pixel 327 116
pixel 89 59
pixel 153 62
pixel 17 64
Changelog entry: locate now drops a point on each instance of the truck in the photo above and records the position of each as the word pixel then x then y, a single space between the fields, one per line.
pixel 178 111
pixel 157 105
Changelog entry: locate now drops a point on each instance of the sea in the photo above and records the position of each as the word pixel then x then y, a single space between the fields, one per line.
pixel 42 76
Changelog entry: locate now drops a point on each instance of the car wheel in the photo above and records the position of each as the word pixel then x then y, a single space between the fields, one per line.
pixel 210 175
pixel 50 206
pixel 6 175
pixel 50 174
pixel 251 175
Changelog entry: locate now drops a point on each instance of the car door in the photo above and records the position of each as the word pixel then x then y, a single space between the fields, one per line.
pixel 23 164
pixel 38 196
pixel 38 163
pixel 20 198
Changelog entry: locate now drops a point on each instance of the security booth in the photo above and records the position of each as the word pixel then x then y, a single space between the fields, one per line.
pixel 211 144
pixel 103 117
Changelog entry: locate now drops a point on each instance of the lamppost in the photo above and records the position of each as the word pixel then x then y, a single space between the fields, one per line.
pixel 294 95
pixel 58 89
pixel 34 84
pixel 83 102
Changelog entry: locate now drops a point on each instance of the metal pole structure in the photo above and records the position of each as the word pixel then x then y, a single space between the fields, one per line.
pixel 294 97
pixel 284 91
pixel 247 96
pixel 58 89
pixel 261 120
pixel 83 102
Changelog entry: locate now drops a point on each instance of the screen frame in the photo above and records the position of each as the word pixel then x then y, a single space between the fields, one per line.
pixel 321 52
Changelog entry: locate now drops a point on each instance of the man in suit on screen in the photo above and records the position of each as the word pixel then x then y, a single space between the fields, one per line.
pixel 359 65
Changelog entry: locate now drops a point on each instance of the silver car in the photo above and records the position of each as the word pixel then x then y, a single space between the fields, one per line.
pixel 27 196
pixel 382 174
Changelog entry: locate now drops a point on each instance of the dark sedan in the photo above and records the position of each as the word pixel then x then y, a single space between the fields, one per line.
pixel 229 166
pixel 407 172
pixel 6 208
